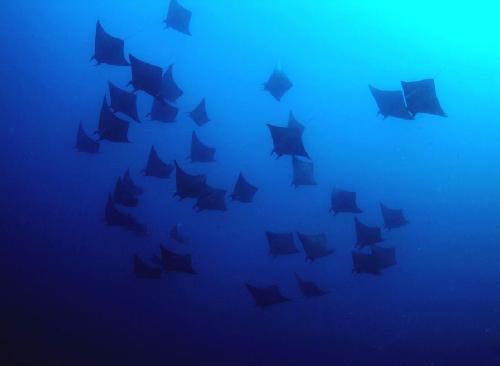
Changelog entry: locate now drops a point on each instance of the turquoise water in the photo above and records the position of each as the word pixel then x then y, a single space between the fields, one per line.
pixel 69 294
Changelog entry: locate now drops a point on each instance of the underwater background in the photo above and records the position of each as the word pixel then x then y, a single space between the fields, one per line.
pixel 69 296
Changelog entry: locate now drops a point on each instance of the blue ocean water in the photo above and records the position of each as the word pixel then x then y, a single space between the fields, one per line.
pixel 69 296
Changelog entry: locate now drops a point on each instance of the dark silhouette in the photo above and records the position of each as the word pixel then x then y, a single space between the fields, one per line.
pixel 123 101
pixel 287 141
pixel 111 127
pixel 108 49
pixel 146 77
pixel 366 235
pixel 266 296
pixel 344 201
pixel 189 185
pixel 84 143
pixel 315 246
pixel 421 97
pixel 155 167
pixel 309 288
pixel 199 114
pixel 178 18
pixel 170 89
pixel 393 218
pixel 200 152
pixel 243 191
pixel 281 243
pixel 390 103
pixel 278 84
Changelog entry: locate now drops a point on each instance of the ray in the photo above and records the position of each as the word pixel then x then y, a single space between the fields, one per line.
pixel 155 167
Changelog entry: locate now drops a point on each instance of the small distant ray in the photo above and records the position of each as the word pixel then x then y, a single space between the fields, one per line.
pixel 111 127
pixel 308 288
pixel 108 49
pixel 146 77
pixel 199 114
pixel 421 97
pixel 385 256
pixel 390 103
pixel 294 123
pixel 281 243
pixel 84 143
pixel 189 185
pixel 144 270
pixel 278 84
pixel 366 235
pixel 123 101
pixel 315 246
pixel 113 217
pixel 243 191
pixel 155 167
pixel 365 263
pixel 163 112
pixel 174 262
pixel 287 141
pixel 123 195
pixel 212 199
pixel 374 262
pixel 177 233
pixel 344 201
pixel 178 18
pixel 266 296
pixel 170 89
pixel 303 173
pixel 393 218
pixel 200 152
pixel 130 185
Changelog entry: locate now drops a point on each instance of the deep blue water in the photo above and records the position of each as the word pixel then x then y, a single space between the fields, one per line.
pixel 69 296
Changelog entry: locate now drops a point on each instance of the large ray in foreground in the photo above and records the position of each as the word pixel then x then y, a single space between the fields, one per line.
pixel 287 141
pixel 146 77
pixel 108 49
pixel 178 18
pixel 266 296
pixel 315 246
pixel 243 191
pixel 421 97
pixel 390 103
pixel 278 84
